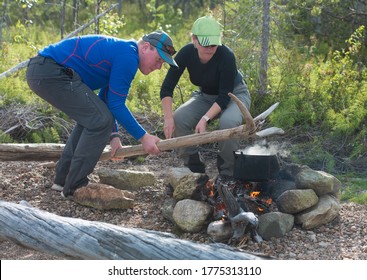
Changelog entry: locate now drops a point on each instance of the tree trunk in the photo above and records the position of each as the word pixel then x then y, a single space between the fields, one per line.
pixel 98 8
pixel 62 19
pixel 72 238
pixel 75 13
pixel 2 21
pixel 263 75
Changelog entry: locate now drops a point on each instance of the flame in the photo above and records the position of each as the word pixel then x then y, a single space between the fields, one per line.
pixel 210 186
pixel 221 206
pixel 254 194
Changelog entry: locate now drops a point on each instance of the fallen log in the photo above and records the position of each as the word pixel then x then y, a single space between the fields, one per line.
pixel 72 238
pixel 31 152
pixel 44 152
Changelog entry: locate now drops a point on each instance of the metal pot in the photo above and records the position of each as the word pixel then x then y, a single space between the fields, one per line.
pixel 255 168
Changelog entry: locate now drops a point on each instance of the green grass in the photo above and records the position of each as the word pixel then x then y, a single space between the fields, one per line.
pixel 355 190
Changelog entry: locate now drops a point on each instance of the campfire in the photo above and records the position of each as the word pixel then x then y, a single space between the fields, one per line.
pixel 238 204
pixel 244 193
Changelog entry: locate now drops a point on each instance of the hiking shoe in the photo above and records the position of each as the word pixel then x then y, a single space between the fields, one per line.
pixel 57 187
pixel 70 197
pixel 196 164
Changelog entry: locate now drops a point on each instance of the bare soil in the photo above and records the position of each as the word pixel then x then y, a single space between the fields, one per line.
pixel 343 238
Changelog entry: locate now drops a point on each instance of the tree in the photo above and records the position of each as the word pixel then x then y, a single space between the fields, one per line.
pixel 2 20
pixel 75 13
pixel 62 18
pixel 263 75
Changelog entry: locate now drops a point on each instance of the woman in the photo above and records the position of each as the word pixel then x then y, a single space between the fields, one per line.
pixel 212 68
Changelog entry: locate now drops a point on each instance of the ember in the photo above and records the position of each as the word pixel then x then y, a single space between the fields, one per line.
pixel 249 200
pixel 239 204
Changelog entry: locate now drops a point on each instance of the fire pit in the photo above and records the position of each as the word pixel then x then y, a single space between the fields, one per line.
pixel 289 195
pixel 238 204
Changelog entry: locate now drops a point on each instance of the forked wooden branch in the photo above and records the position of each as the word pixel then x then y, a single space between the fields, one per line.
pixel 249 129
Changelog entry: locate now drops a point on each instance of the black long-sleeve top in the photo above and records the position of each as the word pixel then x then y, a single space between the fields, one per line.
pixel 217 77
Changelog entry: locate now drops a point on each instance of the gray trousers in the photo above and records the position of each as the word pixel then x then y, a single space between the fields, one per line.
pixel 63 88
pixel 188 115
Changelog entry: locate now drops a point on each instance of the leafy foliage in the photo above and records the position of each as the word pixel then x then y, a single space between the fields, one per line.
pixel 47 135
pixel 330 94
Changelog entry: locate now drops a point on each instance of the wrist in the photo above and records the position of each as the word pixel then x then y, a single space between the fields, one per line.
pixel 206 118
pixel 115 135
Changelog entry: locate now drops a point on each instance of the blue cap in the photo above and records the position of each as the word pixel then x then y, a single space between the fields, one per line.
pixel 163 44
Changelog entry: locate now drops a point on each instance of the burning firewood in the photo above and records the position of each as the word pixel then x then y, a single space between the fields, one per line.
pixel 239 219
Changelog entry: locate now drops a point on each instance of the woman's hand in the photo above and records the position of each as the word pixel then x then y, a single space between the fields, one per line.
pixel 169 127
pixel 201 126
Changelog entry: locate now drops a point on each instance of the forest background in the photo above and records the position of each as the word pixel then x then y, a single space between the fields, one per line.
pixel 310 56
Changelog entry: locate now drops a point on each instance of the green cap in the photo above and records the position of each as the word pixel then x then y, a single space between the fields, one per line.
pixel 208 31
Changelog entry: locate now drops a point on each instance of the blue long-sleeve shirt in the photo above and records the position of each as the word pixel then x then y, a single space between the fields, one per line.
pixel 106 63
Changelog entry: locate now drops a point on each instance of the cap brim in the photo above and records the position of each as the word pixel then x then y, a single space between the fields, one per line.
pixel 167 58
pixel 209 40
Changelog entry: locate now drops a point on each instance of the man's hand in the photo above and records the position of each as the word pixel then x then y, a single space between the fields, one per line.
pixel 115 144
pixel 149 143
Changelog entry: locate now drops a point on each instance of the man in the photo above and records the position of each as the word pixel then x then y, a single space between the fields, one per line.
pixel 66 74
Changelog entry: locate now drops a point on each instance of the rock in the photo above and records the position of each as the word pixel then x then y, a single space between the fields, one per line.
pixel 295 201
pixel 319 181
pixel 276 187
pixel 175 174
pixel 289 171
pixel 126 179
pixel 275 224
pixel 103 197
pixel 190 186
pixel 191 215
pixel 167 209
pixel 326 210
pixel 337 189
pixel 220 230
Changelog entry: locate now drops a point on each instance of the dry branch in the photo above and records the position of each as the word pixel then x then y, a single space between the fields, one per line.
pixel 72 238
pixel 242 132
